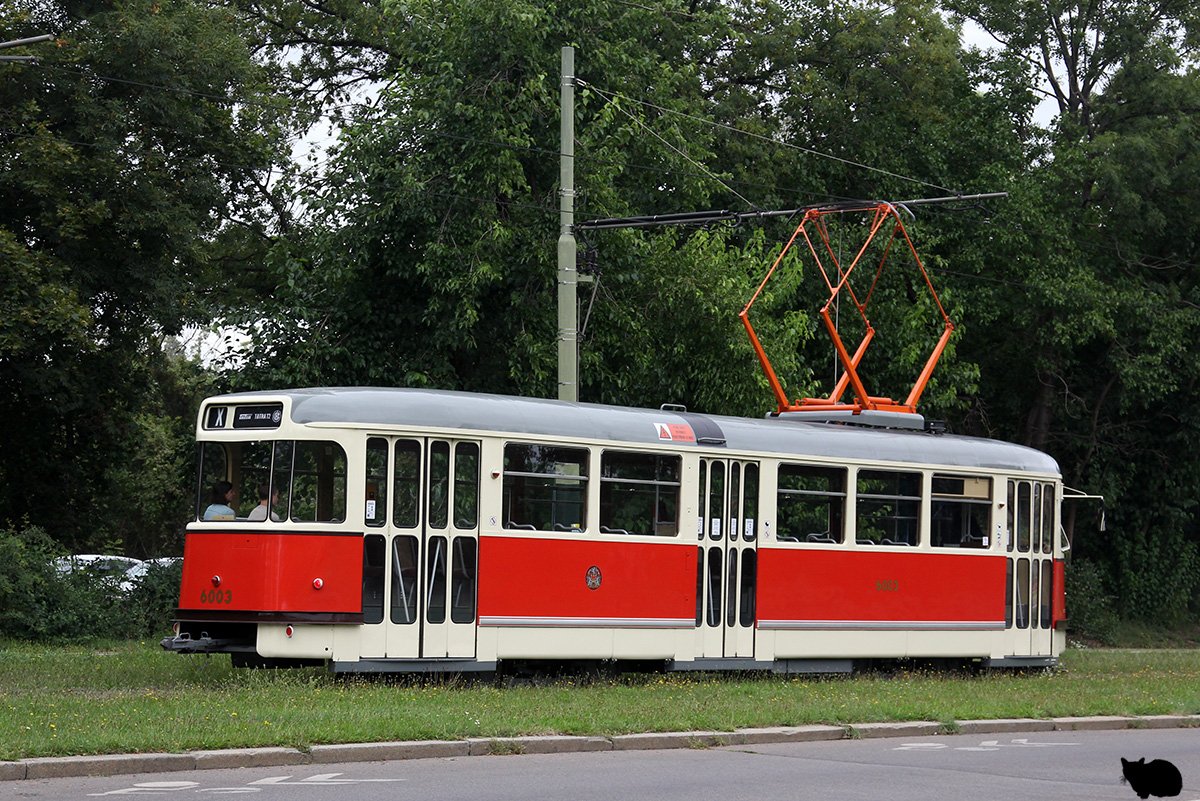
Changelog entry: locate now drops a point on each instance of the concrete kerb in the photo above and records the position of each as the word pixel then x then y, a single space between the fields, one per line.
pixel 121 764
pixel 917 728
pixel 538 744
pixel 1002 725
pixel 377 752
pixel 1097 723
pixel 106 765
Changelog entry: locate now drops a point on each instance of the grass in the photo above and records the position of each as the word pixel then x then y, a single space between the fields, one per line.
pixel 131 697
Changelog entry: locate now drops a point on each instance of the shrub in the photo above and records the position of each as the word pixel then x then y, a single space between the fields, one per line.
pixel 1090 611
pixel 152 601
pixel 40 602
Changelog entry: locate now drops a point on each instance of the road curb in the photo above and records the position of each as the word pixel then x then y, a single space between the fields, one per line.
pixel 914 728
pixel 106 765
pixel 1003 725
pixel 123 764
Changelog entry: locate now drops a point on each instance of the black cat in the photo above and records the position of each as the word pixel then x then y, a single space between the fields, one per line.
pixel 1159 778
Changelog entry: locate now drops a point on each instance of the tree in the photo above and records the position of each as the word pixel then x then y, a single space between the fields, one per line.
pixel 438 267
pixel 1104 245
pixel 131 154
pixel 438 223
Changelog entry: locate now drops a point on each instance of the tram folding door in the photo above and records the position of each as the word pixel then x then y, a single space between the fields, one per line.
pixel 727 558
pixel 420 565
pixel 1030 545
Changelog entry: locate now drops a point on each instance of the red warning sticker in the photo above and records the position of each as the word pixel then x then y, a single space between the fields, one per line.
pixel 675 432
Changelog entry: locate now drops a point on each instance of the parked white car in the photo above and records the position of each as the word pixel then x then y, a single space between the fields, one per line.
pixel 108 567
pixel 138 572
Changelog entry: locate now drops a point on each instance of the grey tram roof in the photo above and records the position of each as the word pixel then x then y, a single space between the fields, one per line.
pixel 364 406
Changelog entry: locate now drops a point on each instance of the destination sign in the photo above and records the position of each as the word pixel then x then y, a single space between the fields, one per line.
pixel 269 416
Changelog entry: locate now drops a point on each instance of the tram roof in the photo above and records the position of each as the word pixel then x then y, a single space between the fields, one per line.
pixel 441 409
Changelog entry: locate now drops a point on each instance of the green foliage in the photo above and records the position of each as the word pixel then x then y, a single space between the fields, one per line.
pixel 1090 609
pixel 132 187
pixel 148 609
pixel 43 603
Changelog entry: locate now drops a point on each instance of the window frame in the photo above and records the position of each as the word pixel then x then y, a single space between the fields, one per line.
pixel 327 489
pixel 670 488
pixel 970 502
pixel 510 482
pixel 812 496
pixel 880 501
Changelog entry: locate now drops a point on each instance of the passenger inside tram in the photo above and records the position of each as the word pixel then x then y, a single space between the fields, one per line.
pixel 223 498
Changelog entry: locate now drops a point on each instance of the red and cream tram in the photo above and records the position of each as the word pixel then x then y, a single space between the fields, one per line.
pixel 416 530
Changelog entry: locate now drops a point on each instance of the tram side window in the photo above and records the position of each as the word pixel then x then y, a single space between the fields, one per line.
pixel 377 486
pixel 545 487
pixel 961 512
pixel 466 484
pixel 214 467
pixel 811 504
pixel 1048 519
pixel 304 481
pixel 889 507
pixel 639 494
pixel 319 483
pixel 407 479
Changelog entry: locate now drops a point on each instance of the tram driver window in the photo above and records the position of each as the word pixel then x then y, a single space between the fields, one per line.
pixel 961 512
pixel 811 504
pixel 639 494
pixel 305 480
pixel 545 487
pixel 889 507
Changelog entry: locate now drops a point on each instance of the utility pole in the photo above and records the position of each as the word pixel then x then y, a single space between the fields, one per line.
pixel 568 312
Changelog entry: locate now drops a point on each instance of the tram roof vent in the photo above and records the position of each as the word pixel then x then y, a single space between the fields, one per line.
pixel 868 417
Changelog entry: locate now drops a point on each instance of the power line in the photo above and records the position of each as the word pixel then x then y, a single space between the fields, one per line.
pixel 776 142
pixel 330 115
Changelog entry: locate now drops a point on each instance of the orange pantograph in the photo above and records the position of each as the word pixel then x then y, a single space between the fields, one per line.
pixel 814 221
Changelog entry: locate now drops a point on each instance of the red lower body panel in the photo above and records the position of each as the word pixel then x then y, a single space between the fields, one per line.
pixel 226 573
pixel 528 581
pixel 832 589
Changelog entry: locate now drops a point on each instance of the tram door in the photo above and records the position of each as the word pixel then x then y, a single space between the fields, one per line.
pixel 420 565
pixel 727 558
pixel 1030 544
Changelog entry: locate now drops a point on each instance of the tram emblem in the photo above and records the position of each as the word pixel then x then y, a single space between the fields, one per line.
pixel 592 578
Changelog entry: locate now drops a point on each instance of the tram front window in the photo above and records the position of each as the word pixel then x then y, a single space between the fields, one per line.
pixel 302 481
pixel 545 487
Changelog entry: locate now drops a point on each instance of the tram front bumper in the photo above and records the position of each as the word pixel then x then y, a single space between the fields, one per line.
pixel 185 643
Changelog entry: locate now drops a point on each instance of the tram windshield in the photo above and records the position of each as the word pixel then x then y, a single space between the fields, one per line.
pixel 276 480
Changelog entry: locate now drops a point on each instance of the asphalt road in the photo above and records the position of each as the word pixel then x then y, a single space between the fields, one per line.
pixel 1046 766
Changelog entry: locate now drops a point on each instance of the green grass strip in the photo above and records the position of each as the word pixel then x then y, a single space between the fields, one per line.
pixel 134 697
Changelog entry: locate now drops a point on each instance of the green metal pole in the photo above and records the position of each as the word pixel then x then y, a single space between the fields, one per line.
pixel 568 313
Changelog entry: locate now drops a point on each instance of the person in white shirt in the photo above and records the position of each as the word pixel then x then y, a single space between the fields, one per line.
pixel 266 500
